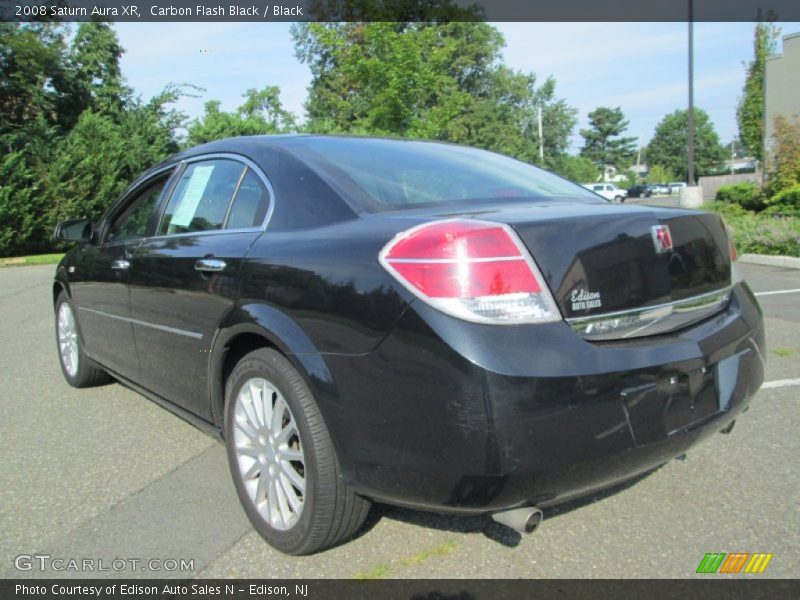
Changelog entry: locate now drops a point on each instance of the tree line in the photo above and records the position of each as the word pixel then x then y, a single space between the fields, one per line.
pixel 74 134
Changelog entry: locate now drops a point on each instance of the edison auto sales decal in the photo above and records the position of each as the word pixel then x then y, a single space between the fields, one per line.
pixel 584 300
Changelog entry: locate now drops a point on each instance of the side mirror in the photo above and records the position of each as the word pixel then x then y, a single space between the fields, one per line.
pixel 74 230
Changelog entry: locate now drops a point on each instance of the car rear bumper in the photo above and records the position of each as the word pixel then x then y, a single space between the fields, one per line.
pixel 453 416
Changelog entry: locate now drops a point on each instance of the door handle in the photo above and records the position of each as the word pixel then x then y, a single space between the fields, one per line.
pixel 120 265
pixel 210 265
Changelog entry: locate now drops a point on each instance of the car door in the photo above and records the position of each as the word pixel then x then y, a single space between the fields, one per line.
pixel 99 281
pixel 184 279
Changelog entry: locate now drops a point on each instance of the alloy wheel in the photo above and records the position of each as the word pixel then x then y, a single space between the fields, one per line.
pixel 269 453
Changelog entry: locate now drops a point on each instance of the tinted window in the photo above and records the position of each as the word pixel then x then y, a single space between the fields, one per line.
pixel 400 174
pixel 250 204
pixel 132 223
pixel 201 197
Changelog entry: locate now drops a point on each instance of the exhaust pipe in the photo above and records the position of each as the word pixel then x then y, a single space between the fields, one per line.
pixel 524 519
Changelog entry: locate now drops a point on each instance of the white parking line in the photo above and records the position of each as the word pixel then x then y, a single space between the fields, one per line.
pixel 774 292
pixel 780 383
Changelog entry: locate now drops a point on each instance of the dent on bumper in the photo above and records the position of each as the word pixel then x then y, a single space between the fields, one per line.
pixel 428 420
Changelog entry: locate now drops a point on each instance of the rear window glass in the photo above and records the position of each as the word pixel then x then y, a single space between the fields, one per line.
pixel 395 174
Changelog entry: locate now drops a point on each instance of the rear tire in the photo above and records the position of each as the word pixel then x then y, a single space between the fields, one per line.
pixel 78 369
pixel 282 460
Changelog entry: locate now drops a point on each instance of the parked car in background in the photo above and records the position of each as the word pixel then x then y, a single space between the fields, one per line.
pixel 421 324
pixel 660 189
pixel 608 191
pixel 676 186
pixel 640 191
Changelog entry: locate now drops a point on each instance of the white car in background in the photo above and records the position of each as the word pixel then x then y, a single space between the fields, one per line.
pixel 608 191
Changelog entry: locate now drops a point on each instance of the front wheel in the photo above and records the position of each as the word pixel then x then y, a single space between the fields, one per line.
pixel 619 199
pixel 282 459
pixel 78 369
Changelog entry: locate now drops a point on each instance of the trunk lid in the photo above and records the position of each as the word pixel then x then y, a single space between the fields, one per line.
pixel 603 258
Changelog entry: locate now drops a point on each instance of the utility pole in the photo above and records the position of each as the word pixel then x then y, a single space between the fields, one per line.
pixel 639 156
pixel 690 117
pixel 541 138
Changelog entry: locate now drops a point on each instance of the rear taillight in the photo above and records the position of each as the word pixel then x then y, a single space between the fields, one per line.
pixel 473 270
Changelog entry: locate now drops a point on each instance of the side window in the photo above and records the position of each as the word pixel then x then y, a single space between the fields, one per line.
pixel 598 188
pixel 250 204
pixel 131 223
pixel 201 197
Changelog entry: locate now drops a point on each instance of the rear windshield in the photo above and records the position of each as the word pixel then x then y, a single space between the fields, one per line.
pixel 394 175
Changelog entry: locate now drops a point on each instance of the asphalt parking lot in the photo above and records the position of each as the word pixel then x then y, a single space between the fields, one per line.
pixel 106 474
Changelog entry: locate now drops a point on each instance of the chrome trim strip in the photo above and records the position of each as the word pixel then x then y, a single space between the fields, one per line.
pixel 452 261
pixel 174 330
pixel 650 320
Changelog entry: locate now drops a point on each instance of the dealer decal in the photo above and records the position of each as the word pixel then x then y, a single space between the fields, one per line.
pixel 584 300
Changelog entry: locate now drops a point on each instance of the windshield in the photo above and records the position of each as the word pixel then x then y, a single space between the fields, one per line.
pixel 396 174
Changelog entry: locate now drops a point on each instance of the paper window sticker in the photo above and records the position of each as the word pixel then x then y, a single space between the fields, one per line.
pixel 187 206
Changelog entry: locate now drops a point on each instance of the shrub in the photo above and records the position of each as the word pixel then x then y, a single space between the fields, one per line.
pixel 748 195
pixel 760 233
pixel 786 202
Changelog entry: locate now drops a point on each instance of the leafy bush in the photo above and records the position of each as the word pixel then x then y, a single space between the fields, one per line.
pixel 760 233
pixel 786 202
pixel 748 195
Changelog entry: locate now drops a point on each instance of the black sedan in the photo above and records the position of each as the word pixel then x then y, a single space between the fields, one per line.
pixel 415 323
pixel 640 191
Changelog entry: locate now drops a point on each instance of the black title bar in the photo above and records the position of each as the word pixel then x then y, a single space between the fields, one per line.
pixel 400 10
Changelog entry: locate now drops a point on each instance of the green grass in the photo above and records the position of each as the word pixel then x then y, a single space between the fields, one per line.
pixel 37 259
pixel 378 572
pixel 441 550
pixel 760 233
pixel 384 570
pixel 783 351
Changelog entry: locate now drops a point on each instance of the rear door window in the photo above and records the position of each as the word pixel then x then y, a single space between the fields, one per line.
pixel 249 208
pixel 201 197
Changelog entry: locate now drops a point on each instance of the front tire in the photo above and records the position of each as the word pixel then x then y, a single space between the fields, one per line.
pixel 618 199
pixel 78 369
pixel 282 460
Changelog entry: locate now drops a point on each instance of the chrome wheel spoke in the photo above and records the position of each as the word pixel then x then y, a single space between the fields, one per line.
pixel 291 495
pixel 256 406
pixel 261 488
pixel 297 480
pixel 277 415
pixel 254 470
pixel 248 451
pixel 290 454
pixel 287 432
pixel 283 504
pixel 246 427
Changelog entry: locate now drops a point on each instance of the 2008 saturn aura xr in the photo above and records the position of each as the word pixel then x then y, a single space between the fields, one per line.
pixel 415 323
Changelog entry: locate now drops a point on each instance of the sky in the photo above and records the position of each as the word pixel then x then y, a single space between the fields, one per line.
pixel 640 67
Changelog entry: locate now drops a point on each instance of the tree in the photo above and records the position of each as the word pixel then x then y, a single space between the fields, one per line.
pixel 669 146
pixel 750 112
pixel 261 113
pixel 576 168
pixel 659 174
pixel 94 56
pixel 442 81
pixel 784 164
pixel 72 136
pixel 604 144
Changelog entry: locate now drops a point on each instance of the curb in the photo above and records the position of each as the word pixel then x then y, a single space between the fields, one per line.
pixel 787 262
